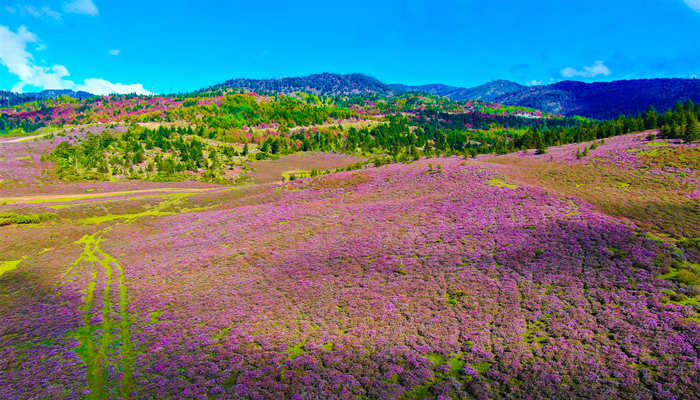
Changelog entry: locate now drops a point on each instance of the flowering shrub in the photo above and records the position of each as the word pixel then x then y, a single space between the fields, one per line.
pixel 382 283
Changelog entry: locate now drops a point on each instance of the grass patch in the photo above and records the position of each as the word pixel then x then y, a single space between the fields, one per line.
pixel 423 391
pixel 453 298
pixel 96 344
pixel 295 351
pixel 7 266
pixel 502 184
pixel 657 144
pixel 295 174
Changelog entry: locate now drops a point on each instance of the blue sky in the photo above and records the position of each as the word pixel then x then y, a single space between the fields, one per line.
pixel 177 45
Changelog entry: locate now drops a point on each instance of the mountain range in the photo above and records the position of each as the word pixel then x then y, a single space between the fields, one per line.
pixel 8 98
pixel 605 100
pixel 600 100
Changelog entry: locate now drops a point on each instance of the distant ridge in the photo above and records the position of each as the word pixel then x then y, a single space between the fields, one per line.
pixel 486 92
pixel 604 100
pixel 329 84
pixel 601 100
pixel 8 98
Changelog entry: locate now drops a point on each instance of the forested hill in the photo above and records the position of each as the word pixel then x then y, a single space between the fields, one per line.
pixel 605 100
pixel 325 84
pixel 328 84
pixel 600 100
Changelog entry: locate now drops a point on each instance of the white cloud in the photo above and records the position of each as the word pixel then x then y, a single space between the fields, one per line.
pixel 43 11
pixel 86 7
pixel 598 68
pixel 36 11
pixel 20 62
pixel 534 82
pixel 103 87
pixel 25 8
pixel 694 4
pixel 114 52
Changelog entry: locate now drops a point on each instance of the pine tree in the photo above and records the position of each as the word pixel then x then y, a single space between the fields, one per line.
pixel 651 118
pixel 541 148
pixel 692 131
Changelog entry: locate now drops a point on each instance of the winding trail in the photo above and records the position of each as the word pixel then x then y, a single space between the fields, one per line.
pixel 97 347
pixel 25 138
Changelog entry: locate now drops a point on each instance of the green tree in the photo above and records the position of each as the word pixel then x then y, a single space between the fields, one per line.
pixel 692 131
pixel 651 118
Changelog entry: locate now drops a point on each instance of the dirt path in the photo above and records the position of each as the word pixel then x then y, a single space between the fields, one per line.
pixel 52 198
pixel 25 138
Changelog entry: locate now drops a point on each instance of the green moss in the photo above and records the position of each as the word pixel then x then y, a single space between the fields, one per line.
pixel 328 346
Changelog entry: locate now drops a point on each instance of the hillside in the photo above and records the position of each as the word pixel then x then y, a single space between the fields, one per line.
pixel 604 100
pixel 440 278
pixel 325 84
pixel 328 84
pixel 228 245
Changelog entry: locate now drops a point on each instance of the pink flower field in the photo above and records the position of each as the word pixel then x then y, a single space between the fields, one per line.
pixel 406 281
